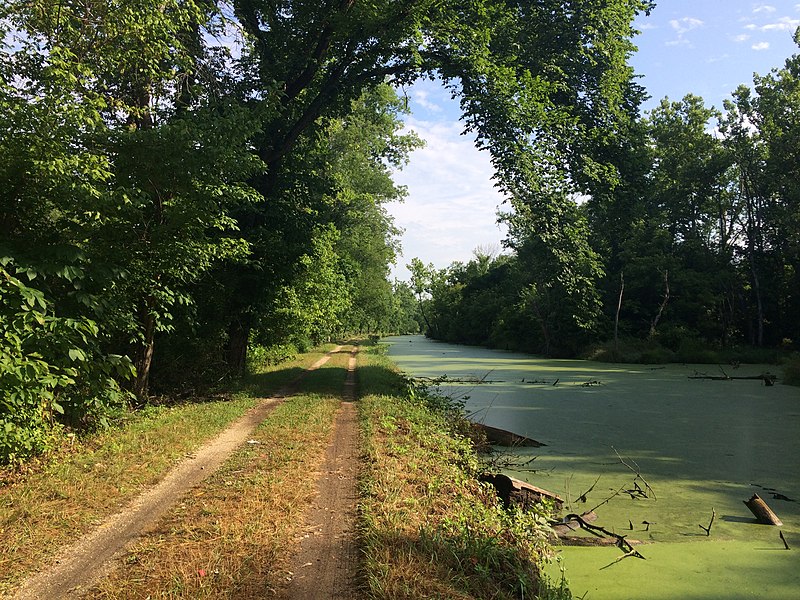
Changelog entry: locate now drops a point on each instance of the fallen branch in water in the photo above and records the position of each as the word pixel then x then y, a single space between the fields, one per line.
pixel 583 521
pixel 583 496
pixel 631 552
pixel 768 378
pixel 638 473
pixel 710 523
pixel 783 539
pixel 634 492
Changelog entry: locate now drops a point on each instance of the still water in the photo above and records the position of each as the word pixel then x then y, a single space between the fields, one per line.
pixel 701 445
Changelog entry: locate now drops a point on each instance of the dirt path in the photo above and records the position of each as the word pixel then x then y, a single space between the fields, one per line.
pixel 325 567
pixel 84 561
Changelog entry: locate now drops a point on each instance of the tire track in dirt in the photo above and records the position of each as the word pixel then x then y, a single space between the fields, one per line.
pixel 326 566
pixel 86 560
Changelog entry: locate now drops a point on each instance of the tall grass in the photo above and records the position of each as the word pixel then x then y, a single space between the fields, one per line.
pixel 430 529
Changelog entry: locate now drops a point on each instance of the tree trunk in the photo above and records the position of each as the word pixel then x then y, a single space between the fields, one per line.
pixel 762 512
pixel 759 341
pixel 663 305
pixel 616 317
pixel 238 336
pixel 754 241
pixel 543 326
pixel 425 317
pixel 144 352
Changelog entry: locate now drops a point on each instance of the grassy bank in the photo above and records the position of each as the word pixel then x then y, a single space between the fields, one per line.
pixel 430 530
pixel 58 497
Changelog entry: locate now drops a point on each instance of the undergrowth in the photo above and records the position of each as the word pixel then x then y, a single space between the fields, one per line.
pixel 791 370
pixel 689 350
pixel 429 528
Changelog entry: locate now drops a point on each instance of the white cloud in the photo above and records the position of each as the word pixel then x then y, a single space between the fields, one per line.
pixel 764 8
pixel 782 24
pixel 741 38
pixel 760 46
pixel 452 202
pixel 685 24
pixel 682 27
pixel 421 98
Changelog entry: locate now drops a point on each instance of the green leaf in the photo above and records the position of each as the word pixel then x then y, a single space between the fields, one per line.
pixel 77 354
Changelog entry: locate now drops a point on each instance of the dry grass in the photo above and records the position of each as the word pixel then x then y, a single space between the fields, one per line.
pixel 59 497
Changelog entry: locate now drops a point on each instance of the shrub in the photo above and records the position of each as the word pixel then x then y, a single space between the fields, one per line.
pixel 791 370
pixel 259 356
pixel 694 351
pixel 51 371
pixel 631 350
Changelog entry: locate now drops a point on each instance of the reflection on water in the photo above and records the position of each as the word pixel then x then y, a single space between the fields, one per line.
pixel 700 444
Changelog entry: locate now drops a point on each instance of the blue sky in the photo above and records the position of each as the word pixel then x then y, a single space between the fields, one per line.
pixel 703 47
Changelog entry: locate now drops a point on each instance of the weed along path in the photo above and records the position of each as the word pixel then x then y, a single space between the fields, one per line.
pixel 77 566
pixel 326 565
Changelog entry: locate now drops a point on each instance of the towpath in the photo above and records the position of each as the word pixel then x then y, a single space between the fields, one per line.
pixel 324 568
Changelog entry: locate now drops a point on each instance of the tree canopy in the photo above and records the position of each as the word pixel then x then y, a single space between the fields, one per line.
pixel 183 179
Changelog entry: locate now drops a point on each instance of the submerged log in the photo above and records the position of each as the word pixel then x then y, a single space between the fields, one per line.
pixel 768 378
pixel 502 437
pixel 519 493
pixel 762 512
pixel 573 540
pixel 573 524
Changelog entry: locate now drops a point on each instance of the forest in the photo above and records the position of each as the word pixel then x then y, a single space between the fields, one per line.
pixel 680 243
pixel 188 186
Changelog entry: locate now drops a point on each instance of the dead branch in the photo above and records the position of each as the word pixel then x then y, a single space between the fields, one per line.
pixel 710 523
pixel 631 552
pixel 783 539
pixel 610 498
pixel 638 473
pixel 582 497
pixel 621 542
pixel 768 378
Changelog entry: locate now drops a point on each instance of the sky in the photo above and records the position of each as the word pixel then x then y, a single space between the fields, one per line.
pixel 704 47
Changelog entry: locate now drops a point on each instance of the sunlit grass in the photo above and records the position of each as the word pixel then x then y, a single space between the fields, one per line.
pixel 230 536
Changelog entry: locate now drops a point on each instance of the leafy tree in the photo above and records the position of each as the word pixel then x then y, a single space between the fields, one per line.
pixel 532 79
pixel 404 317
pixel 113 155
pixel 364 147
pixel 760 131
